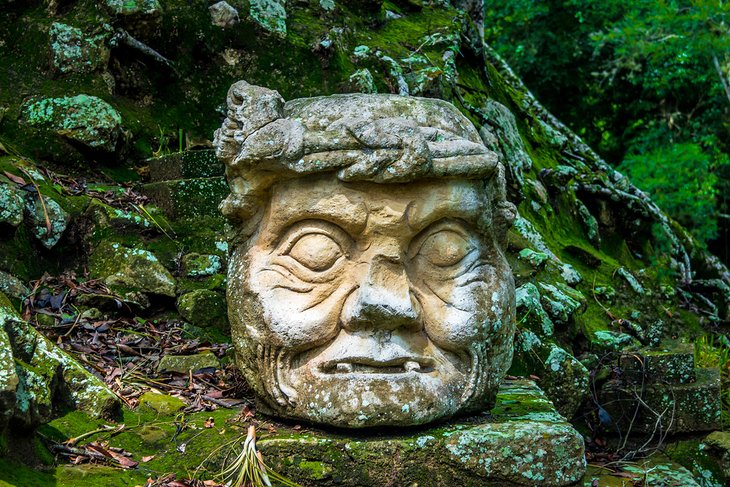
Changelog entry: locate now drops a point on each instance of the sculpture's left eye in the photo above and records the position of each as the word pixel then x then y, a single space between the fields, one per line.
pixel 445 248
pixel 316 251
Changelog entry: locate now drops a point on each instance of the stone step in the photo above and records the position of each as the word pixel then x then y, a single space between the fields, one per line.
pixel 188 198
pixel 524 441
pixel 185 165
pixel 675 407
pixel 672 363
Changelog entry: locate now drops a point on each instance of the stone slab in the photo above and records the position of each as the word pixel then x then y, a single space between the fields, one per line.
pixel 185 165
pixel 523 441
pixel 674 363
pixel 679 408
pixel 188 198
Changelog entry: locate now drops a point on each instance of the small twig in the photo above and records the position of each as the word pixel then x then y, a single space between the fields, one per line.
pixel 116 431
pixel 40 196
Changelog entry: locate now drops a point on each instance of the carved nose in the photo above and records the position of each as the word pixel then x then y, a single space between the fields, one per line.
pixel 383 300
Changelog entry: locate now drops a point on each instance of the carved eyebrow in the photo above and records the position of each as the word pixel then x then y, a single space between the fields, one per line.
pixel 337 209
pixel 465 206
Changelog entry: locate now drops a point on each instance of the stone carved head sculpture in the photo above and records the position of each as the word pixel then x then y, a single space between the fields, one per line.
pixel 367 282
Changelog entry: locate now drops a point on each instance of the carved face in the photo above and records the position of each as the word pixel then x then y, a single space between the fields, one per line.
pixel 363 304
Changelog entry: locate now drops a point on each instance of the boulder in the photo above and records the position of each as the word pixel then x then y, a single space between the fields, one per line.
pixel 86 119
pixel 130 270
pixel 74 52
pixel 223 15
pixel 203 308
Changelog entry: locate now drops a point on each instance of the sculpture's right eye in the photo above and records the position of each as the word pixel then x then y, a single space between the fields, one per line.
pixel 316 251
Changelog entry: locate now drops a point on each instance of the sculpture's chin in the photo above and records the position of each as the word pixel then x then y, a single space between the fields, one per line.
pixel 365 396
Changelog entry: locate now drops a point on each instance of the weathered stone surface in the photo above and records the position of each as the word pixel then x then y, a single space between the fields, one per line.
pixel 565 380
pixel 718 444
pixel 672 363
pixel 501 122
pixel 45 376
pixel 185 165
pixel 531 312
pixel 103 216
pixel 12 286
pixel 560 301
pixel 480 450
pixel 132 270
pixel 11 205
pixel 203 308
pixel 82 118
pixel 188 198
pixel 361 288
pixel 8 374
pixel 46 218
pixel 679 408
pixel 74 52
pixel 610 340
pixel 223 15
pixel 270 14
pixel 524 442
pixel 201 265
pixel 161 403
pixel 186 363
pixel 133 7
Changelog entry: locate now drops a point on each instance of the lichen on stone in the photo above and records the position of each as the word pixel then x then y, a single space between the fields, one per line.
pixel 82 118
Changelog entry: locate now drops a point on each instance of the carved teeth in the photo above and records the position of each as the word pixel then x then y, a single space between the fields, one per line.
pixel 344 368
pixel 412 366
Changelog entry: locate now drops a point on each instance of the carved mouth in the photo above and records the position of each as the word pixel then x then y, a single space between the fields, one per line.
pixel 364 365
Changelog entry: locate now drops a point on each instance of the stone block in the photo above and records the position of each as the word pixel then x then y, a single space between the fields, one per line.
pixel 186 363
pixel 674 363
pixel 524 441
pixel 679 408
pixel 185 165
pixel 188 198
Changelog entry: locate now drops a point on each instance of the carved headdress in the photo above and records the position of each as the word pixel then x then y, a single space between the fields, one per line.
pixel 360 137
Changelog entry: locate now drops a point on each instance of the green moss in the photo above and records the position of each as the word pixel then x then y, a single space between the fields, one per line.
pixel 82 118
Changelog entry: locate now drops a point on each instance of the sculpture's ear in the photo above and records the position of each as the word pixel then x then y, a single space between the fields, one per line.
pixel 250 107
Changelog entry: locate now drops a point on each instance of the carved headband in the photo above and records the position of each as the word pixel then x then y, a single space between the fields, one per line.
pixel 379 138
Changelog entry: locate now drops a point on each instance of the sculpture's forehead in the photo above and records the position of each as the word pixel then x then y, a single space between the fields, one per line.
pixel 357 206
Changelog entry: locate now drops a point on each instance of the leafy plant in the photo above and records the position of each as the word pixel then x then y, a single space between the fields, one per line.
pixel 681 179
pixel 714 351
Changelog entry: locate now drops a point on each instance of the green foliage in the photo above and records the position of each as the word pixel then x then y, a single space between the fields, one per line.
pixel 681 179
pixel 633 78
pixel 714 351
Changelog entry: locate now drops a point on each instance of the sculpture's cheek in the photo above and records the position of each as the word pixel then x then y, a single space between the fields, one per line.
pixel 302 319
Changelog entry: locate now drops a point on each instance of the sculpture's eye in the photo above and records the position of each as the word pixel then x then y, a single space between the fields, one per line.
pixel 316 251
pixel 445 248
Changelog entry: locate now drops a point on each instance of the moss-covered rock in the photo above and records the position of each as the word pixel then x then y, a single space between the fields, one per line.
pixel 204 308
pixel 270 14
pixel 86 119
pixel 46 218
pixel 45 378
pixel 197 265
pixel 11 205
pixel 12 286
pixel 74 52
pixel 718 444
pixel 133 7
pixel 161 403
pixel 185 165
pixel 184 364
pixel 131 270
